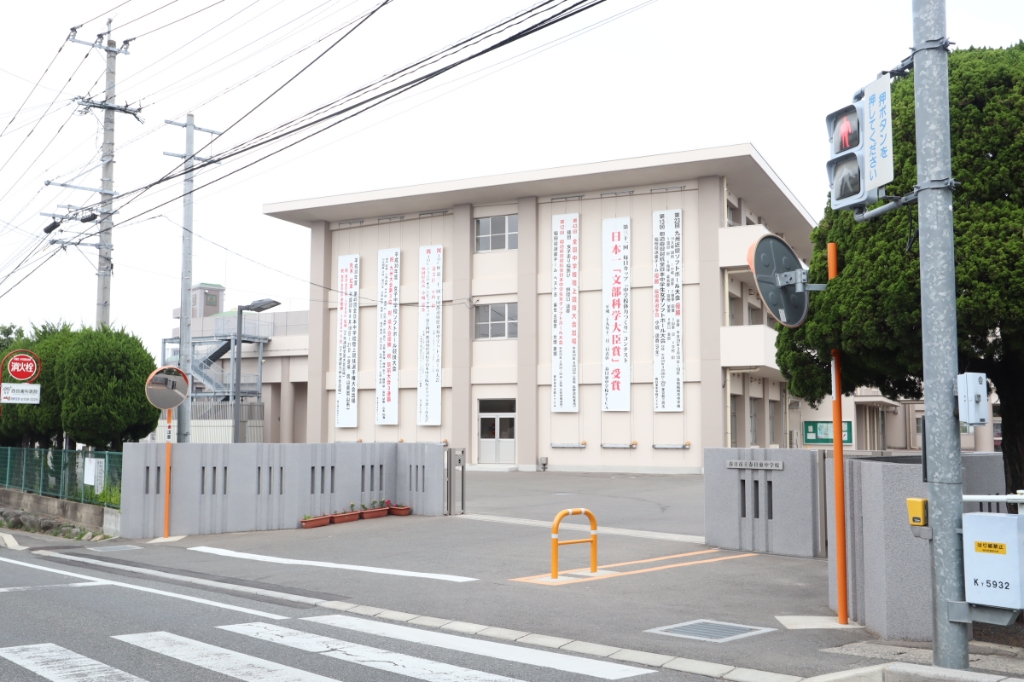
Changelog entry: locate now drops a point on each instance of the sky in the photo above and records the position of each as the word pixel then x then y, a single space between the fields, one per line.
pixel 627 78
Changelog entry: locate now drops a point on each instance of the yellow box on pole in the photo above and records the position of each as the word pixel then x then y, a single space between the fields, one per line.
pixel 917 511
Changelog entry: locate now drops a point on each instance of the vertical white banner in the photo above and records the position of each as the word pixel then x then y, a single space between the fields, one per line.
pixel 388 281
pixel 668 311
pixel 346 396
pixel 428 387
pixel 616 369
pixel 565 348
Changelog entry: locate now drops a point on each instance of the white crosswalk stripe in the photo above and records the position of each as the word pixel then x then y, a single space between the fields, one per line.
pixel 605 670
pixel 401 664
pixel 57 664
pixel 224 661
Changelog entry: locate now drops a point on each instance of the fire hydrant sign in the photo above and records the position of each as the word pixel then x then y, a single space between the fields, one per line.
pixel 19 394
pixel 23 367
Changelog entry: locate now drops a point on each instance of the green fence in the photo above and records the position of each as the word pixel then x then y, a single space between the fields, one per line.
pixel 92 477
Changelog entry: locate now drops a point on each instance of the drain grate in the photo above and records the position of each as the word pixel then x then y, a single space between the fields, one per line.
pixel 710 630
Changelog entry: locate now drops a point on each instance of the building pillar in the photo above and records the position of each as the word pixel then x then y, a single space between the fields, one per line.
pixel 710 218
pixel 526 375
pixel 462 328
pixel 287 406
pixel 319 332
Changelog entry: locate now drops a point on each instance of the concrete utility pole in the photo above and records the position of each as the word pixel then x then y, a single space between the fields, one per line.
pixel 938 328
pixel 105 268
pixel 185 314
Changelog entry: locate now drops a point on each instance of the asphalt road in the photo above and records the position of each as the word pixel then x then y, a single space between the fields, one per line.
pixel 453 569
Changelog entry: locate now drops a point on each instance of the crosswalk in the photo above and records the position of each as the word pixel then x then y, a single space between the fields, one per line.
pixel 52 662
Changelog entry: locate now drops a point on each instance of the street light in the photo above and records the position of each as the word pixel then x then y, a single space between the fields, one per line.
pixel 256 307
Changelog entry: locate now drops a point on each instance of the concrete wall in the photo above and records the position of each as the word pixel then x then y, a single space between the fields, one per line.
pixel 888 569
pixel 219 488
pixel 796 524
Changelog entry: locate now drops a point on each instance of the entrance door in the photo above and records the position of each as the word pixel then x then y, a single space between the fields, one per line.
pixel 497 439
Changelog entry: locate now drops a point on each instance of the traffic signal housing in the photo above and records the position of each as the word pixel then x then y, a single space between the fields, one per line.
pixel 847 163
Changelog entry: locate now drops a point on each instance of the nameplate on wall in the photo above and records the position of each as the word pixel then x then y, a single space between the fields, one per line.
pixel 748 464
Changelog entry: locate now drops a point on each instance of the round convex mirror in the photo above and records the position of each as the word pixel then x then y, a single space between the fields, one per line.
pixel 166 388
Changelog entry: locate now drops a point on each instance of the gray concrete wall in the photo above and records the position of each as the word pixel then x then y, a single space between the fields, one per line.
pixel 86 514
pixel 221 488
pixel 794 528
pixel 888 569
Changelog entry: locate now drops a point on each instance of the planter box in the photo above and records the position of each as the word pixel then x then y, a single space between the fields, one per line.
pixel 316 522
pixel 373 513
pixel 345 517
pixel 400 511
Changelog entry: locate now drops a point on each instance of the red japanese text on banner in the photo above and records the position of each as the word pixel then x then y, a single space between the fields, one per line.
pixel 565 317
pixel 388 285
pixel 616 367
pixel 346 414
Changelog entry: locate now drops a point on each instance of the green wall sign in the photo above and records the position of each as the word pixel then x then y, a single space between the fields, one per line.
pixel 820 433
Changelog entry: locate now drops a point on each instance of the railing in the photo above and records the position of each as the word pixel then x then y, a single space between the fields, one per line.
pixel 252 326
pixel 555 542
pixel 62 474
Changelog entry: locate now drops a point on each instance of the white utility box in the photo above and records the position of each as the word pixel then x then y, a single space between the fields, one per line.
pixel 972 396
pixel 992 559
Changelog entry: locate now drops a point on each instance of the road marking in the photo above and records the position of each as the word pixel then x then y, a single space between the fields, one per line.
pixel 185 597
pixel 187 579
pixel 328 564
pixel 29 588
pixel 603 530
pixel 400 664
pixel 173 538
pixel 814 623
pixel 480 647
pixel 58 664
pixel 223 661
pixel 6 539
pixel 546 578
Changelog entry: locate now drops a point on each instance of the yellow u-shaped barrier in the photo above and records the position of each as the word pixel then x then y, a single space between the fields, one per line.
pixel 555 542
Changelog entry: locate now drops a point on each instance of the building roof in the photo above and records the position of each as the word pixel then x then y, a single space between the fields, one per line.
pixel 749 176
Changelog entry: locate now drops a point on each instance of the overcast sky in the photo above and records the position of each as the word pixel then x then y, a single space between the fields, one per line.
pixel 629 78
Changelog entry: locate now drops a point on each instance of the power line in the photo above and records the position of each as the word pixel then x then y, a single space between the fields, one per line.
pixel 177 20
pixel 104 14
pixel 144 15
pixel 30 93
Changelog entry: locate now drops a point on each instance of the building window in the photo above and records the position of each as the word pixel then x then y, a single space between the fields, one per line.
pixel 497 233
pixel 497 321
pixel 753 422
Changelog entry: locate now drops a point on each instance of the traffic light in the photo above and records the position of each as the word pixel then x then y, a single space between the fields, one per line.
pixel 846 166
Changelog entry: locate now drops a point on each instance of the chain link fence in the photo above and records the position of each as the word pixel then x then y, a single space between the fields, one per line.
pixel 78 475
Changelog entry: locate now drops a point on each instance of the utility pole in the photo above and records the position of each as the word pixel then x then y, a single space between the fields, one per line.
pixel 938 328
pixel 105 268
pixel 185 314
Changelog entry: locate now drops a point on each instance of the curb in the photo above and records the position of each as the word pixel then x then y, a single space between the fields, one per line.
pixel 909 672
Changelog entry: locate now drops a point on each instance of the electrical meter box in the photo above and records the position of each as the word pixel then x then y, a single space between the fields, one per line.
pixel 972 396
pixel 992 559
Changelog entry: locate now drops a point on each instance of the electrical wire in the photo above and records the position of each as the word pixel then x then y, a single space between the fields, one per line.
pixel 119 6
pixel 172 23
pixel 146 14
pixel 32 91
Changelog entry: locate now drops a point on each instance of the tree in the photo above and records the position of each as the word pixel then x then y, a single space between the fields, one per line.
pixel 9 334
pixel 102 377
pixel 49 341
pixel 872 311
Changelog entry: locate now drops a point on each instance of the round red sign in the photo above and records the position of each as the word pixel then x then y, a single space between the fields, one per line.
pixel 22 367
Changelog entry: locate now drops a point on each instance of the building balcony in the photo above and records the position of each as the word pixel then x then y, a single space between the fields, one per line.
pixel 734 242
pixel 748 346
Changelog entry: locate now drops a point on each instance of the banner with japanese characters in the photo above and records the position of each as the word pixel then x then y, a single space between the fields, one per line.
pixel 616 372
pixel 428 386
pixel 388 285
pixel 668 310
pixel 565 348
pixel 346 415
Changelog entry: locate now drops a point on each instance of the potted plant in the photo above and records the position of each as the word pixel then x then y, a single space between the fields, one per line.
pixel 315 521
pixel 345 516
pixel 398 509
pixel 376 510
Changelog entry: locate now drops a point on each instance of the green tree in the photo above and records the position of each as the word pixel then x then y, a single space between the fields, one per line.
pixel 9 333
pixel 101 377
pixel 15 429
pixel 872 311
pixel 49 341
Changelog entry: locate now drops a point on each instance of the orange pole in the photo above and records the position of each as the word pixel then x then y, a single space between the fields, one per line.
pixel 839 472
pixel 555 542
pixel 167 477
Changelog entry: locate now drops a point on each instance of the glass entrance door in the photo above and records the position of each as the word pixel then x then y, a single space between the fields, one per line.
pixel 497 439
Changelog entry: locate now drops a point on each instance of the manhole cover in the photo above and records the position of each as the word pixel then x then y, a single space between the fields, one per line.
pixel 113 548
pixel 710 630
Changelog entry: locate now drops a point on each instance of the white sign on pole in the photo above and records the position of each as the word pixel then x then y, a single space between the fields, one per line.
pixel 428 387
pixel 616 369
pixel 565 349
pixel 100 475
pixel 388 284
pixel 346 396
pixel 89 476
pixel 19 394
pixel 668 311
pixel 877 132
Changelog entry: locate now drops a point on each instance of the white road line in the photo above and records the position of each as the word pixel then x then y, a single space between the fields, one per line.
pixel 58 664
pixel 389 661
pixel 328 564
pixel 187 579
pixel 29 588
pixel 602 530
pixel 506 652
pixel 223 661
pixel 185 597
